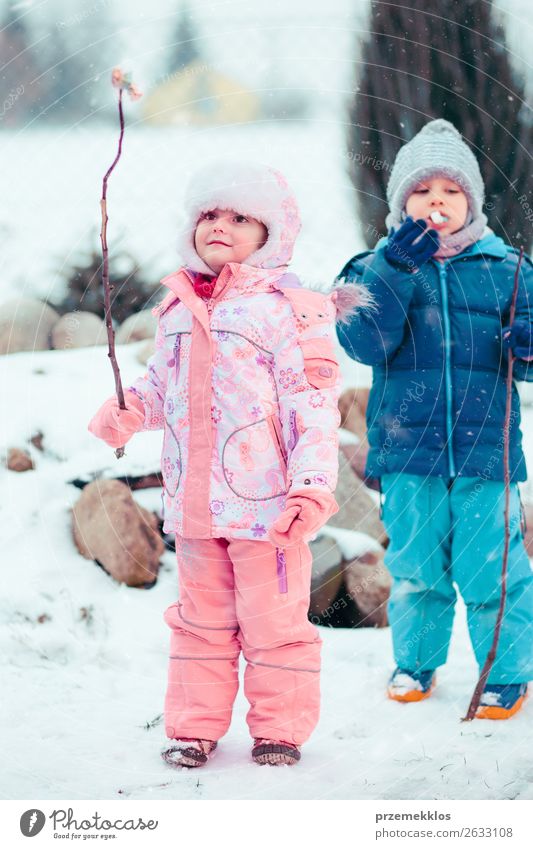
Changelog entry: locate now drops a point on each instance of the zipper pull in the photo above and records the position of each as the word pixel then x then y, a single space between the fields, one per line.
pixel 177 352
pixel 293 430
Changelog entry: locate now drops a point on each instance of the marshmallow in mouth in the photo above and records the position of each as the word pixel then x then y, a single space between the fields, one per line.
pixel 438 218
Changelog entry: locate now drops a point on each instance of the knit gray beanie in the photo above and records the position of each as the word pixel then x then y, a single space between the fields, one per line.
pixel 437 149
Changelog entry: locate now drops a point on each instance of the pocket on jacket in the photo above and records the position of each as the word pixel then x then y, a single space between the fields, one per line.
pixel 254 461
pixel 320 362
pixel 171 460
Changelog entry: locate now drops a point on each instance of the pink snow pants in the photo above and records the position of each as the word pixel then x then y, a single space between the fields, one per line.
pixel 237 595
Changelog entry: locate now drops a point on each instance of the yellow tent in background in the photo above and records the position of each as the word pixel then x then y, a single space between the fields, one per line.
pixel 198 95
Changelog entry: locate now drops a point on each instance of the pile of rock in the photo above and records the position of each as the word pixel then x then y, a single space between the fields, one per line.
pixel 350 585
pixel 28 324
pixel 351 591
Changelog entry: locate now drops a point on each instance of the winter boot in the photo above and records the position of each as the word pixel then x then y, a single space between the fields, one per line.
pixel 407 686
pixel 275 752
pixel 500 701
pixel 188 752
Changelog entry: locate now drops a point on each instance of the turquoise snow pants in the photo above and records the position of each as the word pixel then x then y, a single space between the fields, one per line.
pixel 445 532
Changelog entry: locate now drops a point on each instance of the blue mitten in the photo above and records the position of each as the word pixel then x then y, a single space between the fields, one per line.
pixel 401 249
pixel 518 337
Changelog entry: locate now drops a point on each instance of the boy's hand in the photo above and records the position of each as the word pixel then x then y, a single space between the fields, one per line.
pixel 518 338
pixel 401 249
pixel 305 513
pixel 116 426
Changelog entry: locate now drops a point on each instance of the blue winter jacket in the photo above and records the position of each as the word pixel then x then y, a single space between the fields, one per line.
pixel 437 403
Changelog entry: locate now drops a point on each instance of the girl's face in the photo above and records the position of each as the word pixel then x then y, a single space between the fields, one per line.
pixel 223 235
pixel 439 194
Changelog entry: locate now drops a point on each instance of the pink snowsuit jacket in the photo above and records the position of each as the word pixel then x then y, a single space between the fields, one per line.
pixel 245 387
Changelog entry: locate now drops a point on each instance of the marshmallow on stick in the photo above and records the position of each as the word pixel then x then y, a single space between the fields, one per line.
pixel 437 217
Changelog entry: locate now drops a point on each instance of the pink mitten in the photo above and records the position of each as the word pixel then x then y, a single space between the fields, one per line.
pixel 305 513
pixel 116 426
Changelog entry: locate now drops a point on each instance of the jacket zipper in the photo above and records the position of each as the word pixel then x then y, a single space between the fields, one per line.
pixel 448 365
pixel 293 431
pixel 174 362
pixel 177 352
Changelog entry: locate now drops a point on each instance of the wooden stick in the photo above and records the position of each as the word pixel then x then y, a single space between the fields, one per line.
pixel 119 452
pixel 480 686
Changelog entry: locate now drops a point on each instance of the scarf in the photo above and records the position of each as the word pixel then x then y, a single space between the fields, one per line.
pixel 456 242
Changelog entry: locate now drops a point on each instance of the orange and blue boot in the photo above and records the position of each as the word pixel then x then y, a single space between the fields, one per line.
pixel 500 701
pixel 408 686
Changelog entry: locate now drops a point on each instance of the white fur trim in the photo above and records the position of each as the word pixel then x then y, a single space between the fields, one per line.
pixel 251 189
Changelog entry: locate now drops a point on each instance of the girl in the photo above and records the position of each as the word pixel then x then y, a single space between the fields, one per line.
pixel 443 285
pixel 244 381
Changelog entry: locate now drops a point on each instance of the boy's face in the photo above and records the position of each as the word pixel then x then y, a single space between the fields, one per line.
pixel 223 235
pixel 439 195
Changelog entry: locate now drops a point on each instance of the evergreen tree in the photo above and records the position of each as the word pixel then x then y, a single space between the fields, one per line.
pixel 131 292
pixel 447 60
pixel 18 70
pixel 75 54
pixel 65 81
pixel 184 48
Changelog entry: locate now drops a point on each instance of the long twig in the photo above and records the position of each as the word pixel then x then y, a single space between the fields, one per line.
pixel 120 81
pixel 480 686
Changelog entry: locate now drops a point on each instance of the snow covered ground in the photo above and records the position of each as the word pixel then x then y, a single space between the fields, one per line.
pixel 85 659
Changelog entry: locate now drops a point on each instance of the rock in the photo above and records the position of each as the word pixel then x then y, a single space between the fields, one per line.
pixel 326 576
pixel 352 407
pixel 78 330
pixel 25 325
pixel 37 440
pixel 356 456
pixel 18 461
pixel 368 584
pixel 347 437
pixel 150 480
pixel 348 593
pixel 525 390
pixel 145 351
pixel 140 325
pixel 358 511
pixel 121 535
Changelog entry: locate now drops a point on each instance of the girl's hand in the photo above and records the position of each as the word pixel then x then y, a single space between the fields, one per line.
pixel 305 513
pixel 116 426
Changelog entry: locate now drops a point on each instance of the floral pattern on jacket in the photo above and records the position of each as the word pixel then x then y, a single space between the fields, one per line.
pixel 245 387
